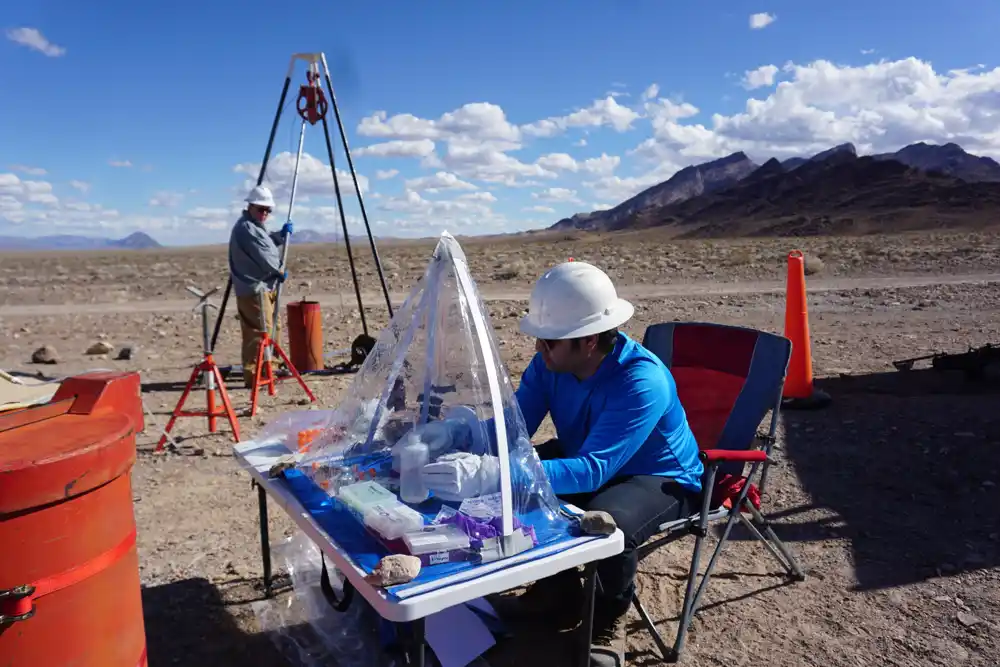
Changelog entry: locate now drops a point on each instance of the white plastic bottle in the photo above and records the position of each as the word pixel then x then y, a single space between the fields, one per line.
pixel 413 456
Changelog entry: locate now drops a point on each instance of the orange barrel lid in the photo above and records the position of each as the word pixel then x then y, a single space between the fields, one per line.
pixel 63 456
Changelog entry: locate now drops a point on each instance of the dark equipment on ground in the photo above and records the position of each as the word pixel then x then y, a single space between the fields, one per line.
pixel 974 363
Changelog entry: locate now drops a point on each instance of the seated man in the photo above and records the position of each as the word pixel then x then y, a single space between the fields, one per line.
pixel 623 442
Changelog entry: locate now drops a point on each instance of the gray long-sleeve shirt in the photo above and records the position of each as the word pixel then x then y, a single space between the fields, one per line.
pixel 254 257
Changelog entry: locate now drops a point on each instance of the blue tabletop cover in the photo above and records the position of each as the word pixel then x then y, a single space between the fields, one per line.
pixel 366 549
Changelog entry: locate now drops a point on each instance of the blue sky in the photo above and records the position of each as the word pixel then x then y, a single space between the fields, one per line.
pixel 491 116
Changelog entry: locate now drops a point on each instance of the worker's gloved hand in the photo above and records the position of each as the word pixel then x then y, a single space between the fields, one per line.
pixel 287 228
pixel 461 475
pixel 282 277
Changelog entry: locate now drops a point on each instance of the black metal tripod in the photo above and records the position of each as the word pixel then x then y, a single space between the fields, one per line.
pixel 312 107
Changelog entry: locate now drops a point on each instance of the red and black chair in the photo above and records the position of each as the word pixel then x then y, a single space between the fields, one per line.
pixel 727 378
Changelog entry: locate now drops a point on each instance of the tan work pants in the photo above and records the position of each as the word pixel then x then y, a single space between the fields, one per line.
pixel 253 323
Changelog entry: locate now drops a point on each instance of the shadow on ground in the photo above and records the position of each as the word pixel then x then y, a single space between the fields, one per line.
pixel 910 462
pixel 192 622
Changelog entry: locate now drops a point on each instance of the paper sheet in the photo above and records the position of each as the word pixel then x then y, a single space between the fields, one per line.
pixel 457 636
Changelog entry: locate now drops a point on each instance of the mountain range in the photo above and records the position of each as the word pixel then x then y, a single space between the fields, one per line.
pixel 136 241
pixel 920 186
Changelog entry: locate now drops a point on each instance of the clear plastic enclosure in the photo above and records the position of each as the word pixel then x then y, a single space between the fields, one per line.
pixel 430 423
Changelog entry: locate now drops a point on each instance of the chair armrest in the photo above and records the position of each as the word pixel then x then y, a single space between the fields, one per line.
pixel 734 455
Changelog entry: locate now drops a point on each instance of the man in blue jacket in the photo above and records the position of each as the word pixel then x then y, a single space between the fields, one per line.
pixel 255 269
pixel 623 442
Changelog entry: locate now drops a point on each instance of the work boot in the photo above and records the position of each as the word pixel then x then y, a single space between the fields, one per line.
pixel 607 644
pixel 557 599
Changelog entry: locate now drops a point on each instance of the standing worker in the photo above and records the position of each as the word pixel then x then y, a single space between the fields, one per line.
pixel 255 269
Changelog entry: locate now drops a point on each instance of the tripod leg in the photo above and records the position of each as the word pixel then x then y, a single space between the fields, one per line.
pixel 270 382
pixel 209 377
pixel 179 408
pixel 254 391
pixel 357 188
pixel 226 404
pixel 294 372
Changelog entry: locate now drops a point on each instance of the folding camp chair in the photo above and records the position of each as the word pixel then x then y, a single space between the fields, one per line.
pixel 727 378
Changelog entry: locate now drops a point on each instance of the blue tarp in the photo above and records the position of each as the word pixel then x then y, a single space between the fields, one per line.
pixel 365 549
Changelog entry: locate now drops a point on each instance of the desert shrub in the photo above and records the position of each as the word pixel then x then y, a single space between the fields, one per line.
pixel 508 272
pixel 813 265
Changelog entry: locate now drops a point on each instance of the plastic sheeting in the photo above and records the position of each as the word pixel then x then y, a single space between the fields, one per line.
pixel 302 625
pixel 432 419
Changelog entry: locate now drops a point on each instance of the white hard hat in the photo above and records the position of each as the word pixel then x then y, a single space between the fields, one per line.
pixel 261 196
pixel 572 300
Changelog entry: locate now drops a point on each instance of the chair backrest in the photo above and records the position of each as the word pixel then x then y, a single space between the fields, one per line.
pixel 727 377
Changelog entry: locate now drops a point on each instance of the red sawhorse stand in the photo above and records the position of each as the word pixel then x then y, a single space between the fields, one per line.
pixel 209 370
pixel 264 348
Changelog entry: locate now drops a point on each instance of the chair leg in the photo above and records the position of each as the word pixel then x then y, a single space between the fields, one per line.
pixel 690 597
pixel 714 559
pixel 762 530
pixel 668 654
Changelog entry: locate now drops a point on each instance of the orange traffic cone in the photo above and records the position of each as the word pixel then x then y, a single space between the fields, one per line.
pixel 799 392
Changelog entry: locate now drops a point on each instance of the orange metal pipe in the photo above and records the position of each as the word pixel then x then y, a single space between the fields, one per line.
pixel 305 335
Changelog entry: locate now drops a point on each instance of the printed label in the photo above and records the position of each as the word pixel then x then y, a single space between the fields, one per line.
pixel 438 558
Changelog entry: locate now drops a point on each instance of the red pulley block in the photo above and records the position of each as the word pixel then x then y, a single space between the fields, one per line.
pixel 311 105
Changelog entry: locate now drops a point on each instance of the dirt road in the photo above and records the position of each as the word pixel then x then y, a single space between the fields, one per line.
pixel 493 293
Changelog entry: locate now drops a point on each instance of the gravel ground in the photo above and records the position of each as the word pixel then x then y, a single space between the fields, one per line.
pixel 886 497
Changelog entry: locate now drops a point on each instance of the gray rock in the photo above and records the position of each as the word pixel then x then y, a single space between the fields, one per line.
pixel 45 355
pixel 394 569
pixel 597 523
pixel 100 347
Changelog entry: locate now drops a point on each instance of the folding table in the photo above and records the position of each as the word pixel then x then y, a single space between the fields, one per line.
pixel 415 603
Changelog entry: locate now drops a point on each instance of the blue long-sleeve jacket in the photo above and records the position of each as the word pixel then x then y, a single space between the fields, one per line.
pixel 625 419
pixel 254 258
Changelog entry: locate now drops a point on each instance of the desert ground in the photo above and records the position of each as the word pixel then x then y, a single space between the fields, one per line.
pixel 887 497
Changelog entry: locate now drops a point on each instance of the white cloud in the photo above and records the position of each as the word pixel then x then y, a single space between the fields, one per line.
pixel 386 174
pixel 27 192
pixel 474 122
pixel 34 204
pixel 82 186
pixel 487 163
pixel 435 215
pixel 651 92
pixel 438 181
pixel 36 41
pixel 580 142
pixel 867 52
pixel 760 77
pixel 30 171
pixel 125 164
pixel 761 20
pixel 166 199
pixel 478 196
pixel 539 209
pixel 315 177
pixel 557 195
pixel 602 112
pixel 399 148
pixel 605 164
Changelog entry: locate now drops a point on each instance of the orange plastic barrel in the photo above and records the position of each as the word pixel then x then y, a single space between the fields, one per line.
pixel 69 573
pixel 305 335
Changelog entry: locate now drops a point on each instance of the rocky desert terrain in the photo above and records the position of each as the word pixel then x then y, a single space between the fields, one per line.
pixel 887 497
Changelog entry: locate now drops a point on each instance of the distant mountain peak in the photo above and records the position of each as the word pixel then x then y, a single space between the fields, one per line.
pixel 691 181
pixel 134 241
